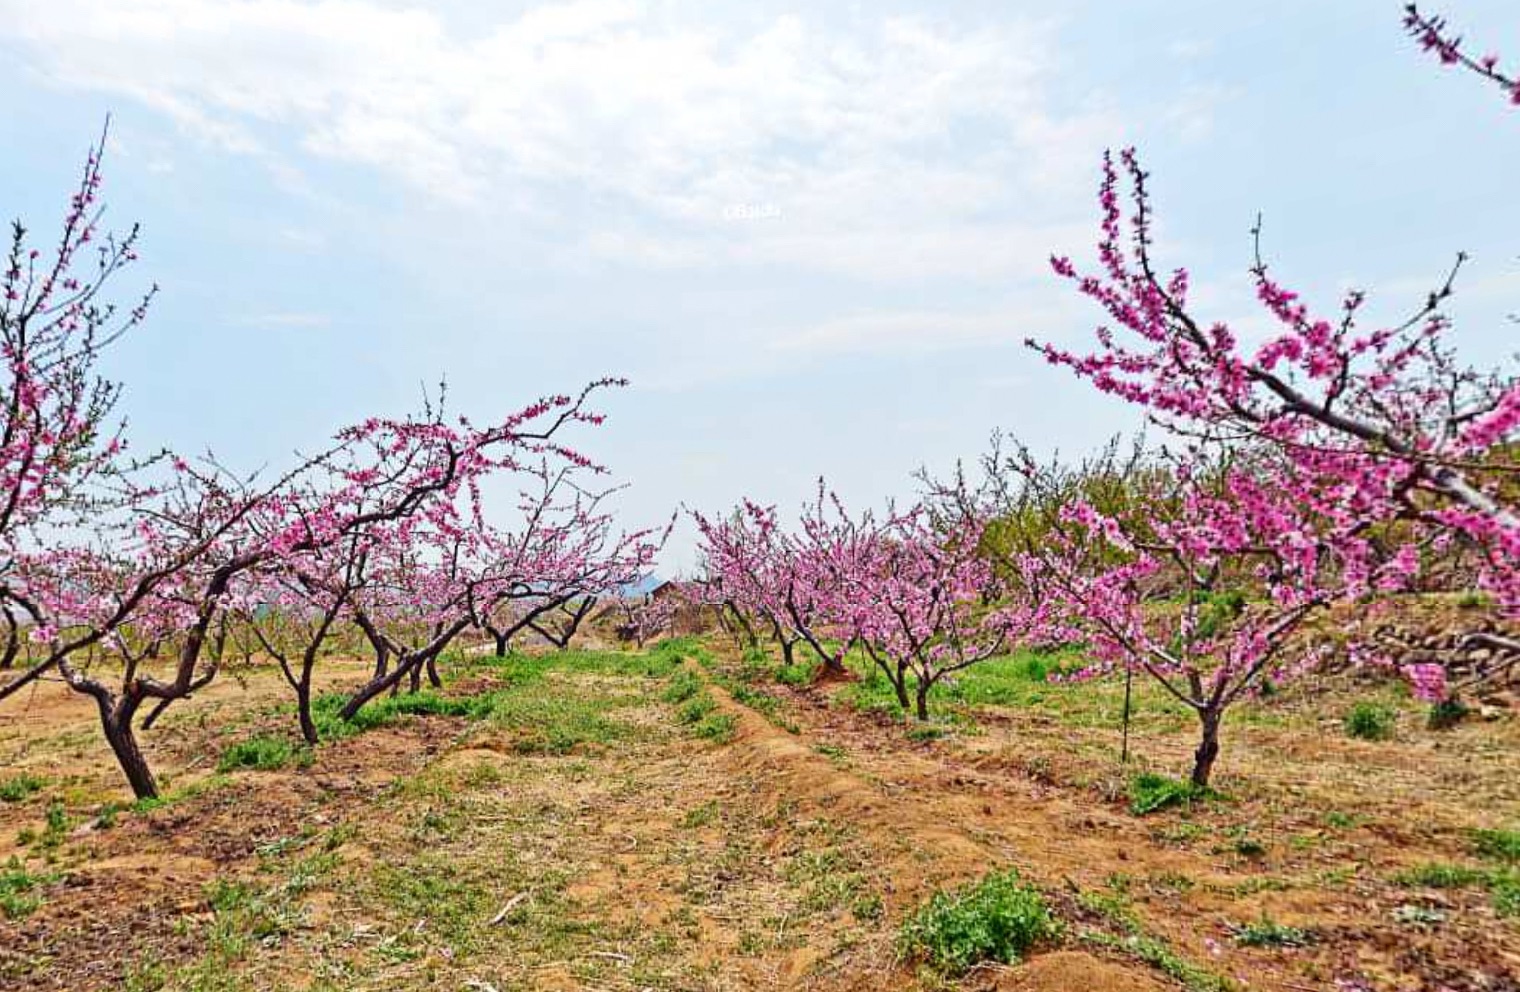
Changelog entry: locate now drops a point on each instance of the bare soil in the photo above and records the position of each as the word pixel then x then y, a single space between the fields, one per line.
pixel 444 853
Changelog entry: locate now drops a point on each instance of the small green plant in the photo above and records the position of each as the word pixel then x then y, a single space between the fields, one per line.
pixel 868 907
pixel 1267 932
pixel 264 753
pixel 763 703
pixel 1497 845
pixel 1155 952
pixel 696 709
pixel 1112 907
pixel 1446 714
pixel 1504 890
pixel 1436 875
pixel 700 713
pixel 1369 721
pixel 717 727
pixel 18 887
pixel 799 674
pixel 1149 792
pixel 682 686
pixel 701 816
pixel 57 825
pixel 18 787
pixel 997 919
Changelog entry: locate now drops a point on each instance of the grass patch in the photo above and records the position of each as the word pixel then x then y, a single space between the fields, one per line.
pixel 1112 907
pixel 701 816
pixel 18 889
pixel 766 705
pixel 379 712
pixel 1150 792
pixel 554 722
pixel 698 710
pixel 18 787
pixel 681 687
pixel 1267 932
pixel 1369 721
pixel 1501 884
pixel 830 870
pixel 264 753
pixel 720 728
pixel 1446 714
pixel 548 719
pixel 1022 680
pixel 1160 956
pixel 1497 845
pixel 998 919
pixel 667 655
pixel 1435 875
pixel 456 905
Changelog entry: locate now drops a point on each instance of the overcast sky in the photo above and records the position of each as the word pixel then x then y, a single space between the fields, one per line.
pixel 813 235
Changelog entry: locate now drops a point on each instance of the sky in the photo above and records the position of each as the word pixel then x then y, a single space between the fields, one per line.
pixel 814 236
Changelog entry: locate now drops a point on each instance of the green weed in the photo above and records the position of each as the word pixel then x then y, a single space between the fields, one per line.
pixel 18 889
pixel 1266 932
pixel 998 919
pixel 1157 954
pixel 1369 721
pixel 1150 792
pixel 1498 845
pixel 18 787
pixel 263 753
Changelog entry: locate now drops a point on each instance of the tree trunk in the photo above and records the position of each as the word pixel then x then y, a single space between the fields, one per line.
pixel 12 640
pixel 155 713
pixel 501 645
pixel 788 651
pixel 382 660
pixel 921 699
pixel 116 722
pixel 747 635
pixel 303 711
pixel 1208 748
pixel 1129 682
pixel 900 683
pixel 392 681
pixel 434 679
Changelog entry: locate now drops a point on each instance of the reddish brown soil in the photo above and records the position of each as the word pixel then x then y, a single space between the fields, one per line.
pixel 626 828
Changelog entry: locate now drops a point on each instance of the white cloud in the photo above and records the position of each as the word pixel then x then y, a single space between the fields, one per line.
pixel 889 145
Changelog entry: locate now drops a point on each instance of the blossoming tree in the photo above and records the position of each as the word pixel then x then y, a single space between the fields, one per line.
pixel 1382 424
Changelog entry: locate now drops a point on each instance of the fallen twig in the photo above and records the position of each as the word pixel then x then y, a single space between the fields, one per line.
pixel 512 904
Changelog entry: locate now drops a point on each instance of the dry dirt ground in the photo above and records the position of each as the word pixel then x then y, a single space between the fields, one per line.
pixel 587 832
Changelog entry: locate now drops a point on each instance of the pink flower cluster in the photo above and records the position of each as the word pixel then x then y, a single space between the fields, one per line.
pixel 1365 432
pixel 1435 37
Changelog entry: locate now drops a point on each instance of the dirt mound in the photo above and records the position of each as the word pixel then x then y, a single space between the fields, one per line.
pixel 1073 971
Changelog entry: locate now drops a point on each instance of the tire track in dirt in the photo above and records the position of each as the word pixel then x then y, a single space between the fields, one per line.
pixel 975 811
pixel 922 843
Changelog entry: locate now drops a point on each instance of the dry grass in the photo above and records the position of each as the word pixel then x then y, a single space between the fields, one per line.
pixel 580 835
